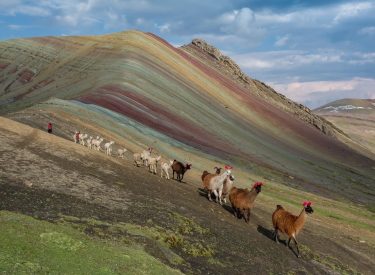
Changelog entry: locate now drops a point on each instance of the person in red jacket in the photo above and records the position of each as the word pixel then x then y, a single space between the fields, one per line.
pixel 49 127
pixel 77 136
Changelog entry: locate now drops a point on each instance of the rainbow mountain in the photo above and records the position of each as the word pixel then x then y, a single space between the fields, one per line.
pixel 190 103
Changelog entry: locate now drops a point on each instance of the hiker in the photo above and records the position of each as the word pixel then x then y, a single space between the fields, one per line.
pixel 49 128
pixel 77 136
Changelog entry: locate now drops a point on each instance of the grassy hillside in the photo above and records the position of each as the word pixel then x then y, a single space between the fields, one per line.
pixel 65 208
pixel 31 246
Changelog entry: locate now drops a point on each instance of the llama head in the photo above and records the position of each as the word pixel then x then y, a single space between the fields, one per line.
pixel 228 169
pixel 307 206
pixel 188 166
pixel 258 186
pixel 217 170
pixel 229 179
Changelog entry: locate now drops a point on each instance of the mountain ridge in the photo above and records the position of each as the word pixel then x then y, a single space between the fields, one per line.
pixel 261 89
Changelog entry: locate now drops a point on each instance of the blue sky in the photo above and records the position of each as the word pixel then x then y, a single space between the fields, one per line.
pixel 311 51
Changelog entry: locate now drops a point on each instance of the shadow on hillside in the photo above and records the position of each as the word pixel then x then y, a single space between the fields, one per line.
pixel 228 208
pixel 179 181
pixel 269 234
pixel 202 192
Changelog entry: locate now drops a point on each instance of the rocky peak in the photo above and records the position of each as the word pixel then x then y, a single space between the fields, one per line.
pixel 208 53
pixel 223 59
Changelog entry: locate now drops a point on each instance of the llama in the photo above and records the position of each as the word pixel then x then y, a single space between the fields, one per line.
pixel 137 159
pixel 145 154
pixel 97 143
pixel 153 163
pixel 290 224
pixel 180 169
pixel 215 184
pixel 227 186
pixel 89 142
pixel 165 169
pixel 243 200
pixel 121 152
pixel 205 172
pixel 108 148
pixel 82 138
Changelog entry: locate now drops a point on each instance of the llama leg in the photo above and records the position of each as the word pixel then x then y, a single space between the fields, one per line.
pixel 220 194
pixel 295 241
pixel 245 216
pixel 239 214
pixel 216 195
pixel 288 244
pixel 276 235
pixel 209 196
pixel 167 175
pixel 248 215
pixel 234 211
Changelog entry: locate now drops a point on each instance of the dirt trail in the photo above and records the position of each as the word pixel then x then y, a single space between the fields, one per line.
pixel 46 176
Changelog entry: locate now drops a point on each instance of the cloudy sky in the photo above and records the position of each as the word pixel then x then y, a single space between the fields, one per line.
pixel 312 51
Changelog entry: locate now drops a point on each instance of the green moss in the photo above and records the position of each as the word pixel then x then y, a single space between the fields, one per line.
pixel 30 246
pixel 188 226
pixel 185 234
pixel 329 262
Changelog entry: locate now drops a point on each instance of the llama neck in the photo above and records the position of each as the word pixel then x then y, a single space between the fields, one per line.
pixel 252 194
pixel 300 220
pixel 223 176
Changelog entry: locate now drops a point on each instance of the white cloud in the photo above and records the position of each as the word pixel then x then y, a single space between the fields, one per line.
pixel 286 59
pixel 15 27
pixel 367 31
pixel 281 41
pixel 28 10
pixel 165 28
pixel 349 10
pixel 241 23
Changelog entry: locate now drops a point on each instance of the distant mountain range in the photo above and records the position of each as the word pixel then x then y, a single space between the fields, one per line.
pixel 356 117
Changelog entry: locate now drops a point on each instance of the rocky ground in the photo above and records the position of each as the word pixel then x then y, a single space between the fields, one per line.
pixel 107 198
